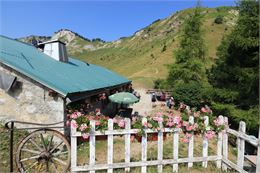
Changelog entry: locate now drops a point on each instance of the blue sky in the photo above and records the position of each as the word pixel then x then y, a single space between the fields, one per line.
pixel 108 20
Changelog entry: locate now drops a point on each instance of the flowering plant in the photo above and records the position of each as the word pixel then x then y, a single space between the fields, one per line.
pixel 82 123
pixel 151 123
pixel 168 120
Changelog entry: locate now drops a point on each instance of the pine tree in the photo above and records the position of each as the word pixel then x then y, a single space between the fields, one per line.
pixel 237 70
pixel 191 53
pixel 188 70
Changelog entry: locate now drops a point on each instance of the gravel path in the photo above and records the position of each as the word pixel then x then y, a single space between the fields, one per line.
pixel 145 104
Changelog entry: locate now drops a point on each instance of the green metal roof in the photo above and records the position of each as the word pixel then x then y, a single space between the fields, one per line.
pixel 64 78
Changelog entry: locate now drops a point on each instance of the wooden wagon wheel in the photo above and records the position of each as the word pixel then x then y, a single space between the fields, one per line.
pixel 43 150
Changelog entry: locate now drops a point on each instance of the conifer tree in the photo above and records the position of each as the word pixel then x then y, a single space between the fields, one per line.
pixel 237 69
pixel 191 52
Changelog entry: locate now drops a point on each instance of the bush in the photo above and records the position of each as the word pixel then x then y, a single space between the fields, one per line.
pixel 235 115
pixel 194 94
pixel 164 48
pixel 218 20
pixel 224 95
pixel 159 84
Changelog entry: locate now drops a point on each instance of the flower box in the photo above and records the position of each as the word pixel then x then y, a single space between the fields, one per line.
pixel 98 138
pixel 150 137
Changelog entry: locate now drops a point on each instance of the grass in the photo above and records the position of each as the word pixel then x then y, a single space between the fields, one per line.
pixel 4 147
pixel 101 154
pixel 141 59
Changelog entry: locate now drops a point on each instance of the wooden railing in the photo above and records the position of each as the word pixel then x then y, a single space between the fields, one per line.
pixel 221 158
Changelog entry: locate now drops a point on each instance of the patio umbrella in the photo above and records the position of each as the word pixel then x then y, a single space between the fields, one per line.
pixel 123 98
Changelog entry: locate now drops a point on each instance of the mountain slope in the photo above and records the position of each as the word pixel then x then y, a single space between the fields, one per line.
pixel 144 56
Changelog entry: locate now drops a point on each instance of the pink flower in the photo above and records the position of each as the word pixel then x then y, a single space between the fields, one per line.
pixel 185 123
pixel 209 134
pixel 74 115
pixel 97 123
pixel 74 124
pixel 83 127
pixel 134 119
pixel 217 122
pixel 159 114
pixel 177 119
pixel 132 138
pixel 67 123
pixel 189 128
pixel 170 123
pixel 78 114
pixel 188 135
pixel 121 123
pixel 204 110
pixel 114 120
pixel 145 124
pixel 85 135
pixel 196 114
pixel 185 140
pixel 91 117
pixel 155 118
pixel 158 118
pixel 195 125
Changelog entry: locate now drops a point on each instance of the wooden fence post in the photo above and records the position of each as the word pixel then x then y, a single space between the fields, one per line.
pixel 144 148
pixel 225 145
pixel 241 145
pixel 191 144
pixel 175 148
pixel 127 143
pixel 258 153
pixel 219 143
pixel 110 145
pixel 73 141
pixel 92 145
pixel 205 143
pixel 160 148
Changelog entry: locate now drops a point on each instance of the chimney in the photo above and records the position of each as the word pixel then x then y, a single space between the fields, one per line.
pixel 55 49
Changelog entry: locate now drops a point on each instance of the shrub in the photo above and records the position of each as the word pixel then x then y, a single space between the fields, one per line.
pixel 218 20
pixel 164 48
pixel 235 115
pixel 194 94
pixel 159 84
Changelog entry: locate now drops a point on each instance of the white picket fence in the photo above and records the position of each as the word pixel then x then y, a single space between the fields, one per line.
pixel 221 159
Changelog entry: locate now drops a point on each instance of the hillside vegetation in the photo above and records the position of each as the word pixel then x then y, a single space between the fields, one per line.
pixel 144 56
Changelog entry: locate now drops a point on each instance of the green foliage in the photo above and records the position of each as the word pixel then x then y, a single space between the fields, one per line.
pixel 159 84
pixel 238 66
pixel 164 48
pixel 224 95
pixel 193 94
pixel 235 115
pixel 192 44
pixel 218 20
pixel 191 53
pixel 236 73
pixel 191 70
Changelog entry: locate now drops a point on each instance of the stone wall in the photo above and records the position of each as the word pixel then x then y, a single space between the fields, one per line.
pixel 30 101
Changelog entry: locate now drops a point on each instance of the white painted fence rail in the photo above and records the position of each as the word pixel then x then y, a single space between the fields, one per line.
pixel 221 158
